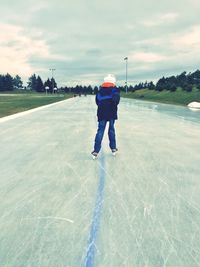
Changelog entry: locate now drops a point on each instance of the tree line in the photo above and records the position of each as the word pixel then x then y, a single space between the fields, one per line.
pixel 9 83
pixel 79 89
pixel 183 80
pixel 35 83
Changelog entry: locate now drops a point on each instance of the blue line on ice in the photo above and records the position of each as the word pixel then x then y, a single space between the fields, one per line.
pixel 89 259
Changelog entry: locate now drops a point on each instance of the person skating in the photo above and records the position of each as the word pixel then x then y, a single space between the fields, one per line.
pixel 107 100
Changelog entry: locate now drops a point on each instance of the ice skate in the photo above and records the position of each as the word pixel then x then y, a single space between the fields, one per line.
pixel 94 154
pixel 114 151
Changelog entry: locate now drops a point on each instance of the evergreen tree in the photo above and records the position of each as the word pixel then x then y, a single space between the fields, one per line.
pixel 189 83
pixel 77 89
pixel 8 82
pixel 89 89
pixel 39 85
pixel 1 82
pixel 47 83
pixel 145 85
pixel 172 87
pixel 96 89
pixel 160 84
pixel 131 89
pixel 151 86
pixel 195 77
pixel 17 82
pixel 32 82
pixel 140 86
pixel 170 82
pixel 53 85
pixel 66 89
pixel 181 79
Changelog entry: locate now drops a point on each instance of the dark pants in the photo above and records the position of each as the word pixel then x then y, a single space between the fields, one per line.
pixel 100 133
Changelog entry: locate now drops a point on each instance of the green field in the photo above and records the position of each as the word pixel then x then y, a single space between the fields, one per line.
pixel 179 97
pixel 15 102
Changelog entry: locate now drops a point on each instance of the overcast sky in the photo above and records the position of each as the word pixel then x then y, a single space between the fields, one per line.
pixel 86 39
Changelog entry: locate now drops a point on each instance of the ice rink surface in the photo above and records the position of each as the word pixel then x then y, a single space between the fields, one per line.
pixel 59 208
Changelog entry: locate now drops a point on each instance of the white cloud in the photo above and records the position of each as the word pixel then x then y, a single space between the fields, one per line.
pixel 189 40
pixel 16 48
pixel 194 3
pixel 161 19
pixel 169 17
pixel 150 42
pixel 13 55
pixel 146 57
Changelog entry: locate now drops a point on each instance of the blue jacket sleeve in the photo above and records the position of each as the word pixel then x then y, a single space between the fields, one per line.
pixel 96 99
pixel 116 98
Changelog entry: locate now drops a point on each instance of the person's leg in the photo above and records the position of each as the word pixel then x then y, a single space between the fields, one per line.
pixel 99 136
pixel 111 135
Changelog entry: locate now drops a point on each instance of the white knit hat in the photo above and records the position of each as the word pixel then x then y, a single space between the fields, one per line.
pixel 110 78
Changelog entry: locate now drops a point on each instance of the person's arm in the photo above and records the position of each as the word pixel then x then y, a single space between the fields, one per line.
pixel 96 99
pixel 116 97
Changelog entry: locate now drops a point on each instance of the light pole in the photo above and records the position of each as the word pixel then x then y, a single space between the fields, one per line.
pixel 52 70
pixel 126 58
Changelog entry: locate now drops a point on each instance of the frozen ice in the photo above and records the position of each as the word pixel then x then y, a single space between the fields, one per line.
pixel 138 209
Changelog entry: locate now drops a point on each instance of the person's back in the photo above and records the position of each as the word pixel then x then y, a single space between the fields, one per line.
pixel 107 99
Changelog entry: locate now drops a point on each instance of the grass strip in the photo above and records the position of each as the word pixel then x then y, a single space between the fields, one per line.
pixel 179 97
pixel 14 103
